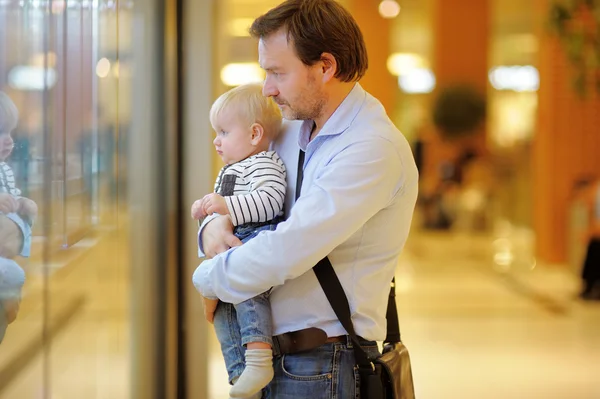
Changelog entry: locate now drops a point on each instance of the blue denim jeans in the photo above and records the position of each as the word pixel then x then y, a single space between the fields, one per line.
pixel 327 372
pixel 248 321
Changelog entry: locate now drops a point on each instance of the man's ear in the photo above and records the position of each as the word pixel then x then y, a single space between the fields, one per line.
pixel 329 66
pixel 258 133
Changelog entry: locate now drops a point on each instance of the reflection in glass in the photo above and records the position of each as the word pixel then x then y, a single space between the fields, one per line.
pixel 17 214
pixel 64 284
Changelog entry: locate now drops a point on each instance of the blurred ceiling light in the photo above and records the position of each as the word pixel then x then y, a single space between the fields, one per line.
pixel 417 81
pixel 516 78
pixel 31 78
pixel 238 27
pixel 103 68
pixel 403 63
pixel 389 9
pixel 236 74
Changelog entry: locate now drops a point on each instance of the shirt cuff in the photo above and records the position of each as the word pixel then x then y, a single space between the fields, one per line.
pixel 206 221
pixel 201 280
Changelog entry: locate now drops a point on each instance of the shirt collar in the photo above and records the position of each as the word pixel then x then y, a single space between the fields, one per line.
pixel 340 120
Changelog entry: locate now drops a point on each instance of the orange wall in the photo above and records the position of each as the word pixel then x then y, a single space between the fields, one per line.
pixel 376 31
pixel 566 145
pixel 461 42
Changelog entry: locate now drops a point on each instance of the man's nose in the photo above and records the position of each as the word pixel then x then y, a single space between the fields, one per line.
pixel 269 89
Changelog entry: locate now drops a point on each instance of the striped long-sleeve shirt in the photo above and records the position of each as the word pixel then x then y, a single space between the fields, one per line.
pixel 7 180
pixel 254 189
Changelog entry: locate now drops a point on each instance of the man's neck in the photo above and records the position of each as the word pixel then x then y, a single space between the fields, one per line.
pixel 335 99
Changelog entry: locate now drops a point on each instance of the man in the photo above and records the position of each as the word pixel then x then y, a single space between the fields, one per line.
pixel 357 198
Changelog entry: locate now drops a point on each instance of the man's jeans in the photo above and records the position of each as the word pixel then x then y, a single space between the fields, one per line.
pixel 249 321
pixel 327 372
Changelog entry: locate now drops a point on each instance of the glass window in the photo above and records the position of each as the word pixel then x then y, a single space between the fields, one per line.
pixel 65 100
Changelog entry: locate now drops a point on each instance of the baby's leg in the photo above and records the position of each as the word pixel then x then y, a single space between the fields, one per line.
pixel 228 334
pixel 256 327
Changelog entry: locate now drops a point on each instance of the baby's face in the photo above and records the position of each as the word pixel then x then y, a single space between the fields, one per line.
pixel 234 139
pixel 6 145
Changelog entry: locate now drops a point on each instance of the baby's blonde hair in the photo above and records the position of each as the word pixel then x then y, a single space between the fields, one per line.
pixel 251 107
pixel 9 114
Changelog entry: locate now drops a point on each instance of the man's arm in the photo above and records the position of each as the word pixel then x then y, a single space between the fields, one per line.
pixel 358 182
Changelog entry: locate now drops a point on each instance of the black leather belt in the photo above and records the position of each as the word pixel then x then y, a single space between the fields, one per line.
pixel 302 340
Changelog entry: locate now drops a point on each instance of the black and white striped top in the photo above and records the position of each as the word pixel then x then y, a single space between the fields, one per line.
pixel 7 180
pixel 254 189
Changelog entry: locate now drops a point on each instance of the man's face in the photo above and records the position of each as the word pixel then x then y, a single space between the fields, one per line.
pixel 6 145
pixel 295 87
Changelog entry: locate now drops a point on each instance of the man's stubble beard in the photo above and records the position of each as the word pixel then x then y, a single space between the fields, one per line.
pixel 313 110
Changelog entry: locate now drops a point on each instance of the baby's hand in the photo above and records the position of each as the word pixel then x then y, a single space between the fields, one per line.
pixel 214 203
pixel 8 203
pixel 198 209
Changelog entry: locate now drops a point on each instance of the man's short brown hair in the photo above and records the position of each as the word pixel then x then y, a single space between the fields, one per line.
pixel 316 27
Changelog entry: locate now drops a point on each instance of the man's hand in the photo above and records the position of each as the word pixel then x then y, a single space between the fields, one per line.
pixel 217 236
pixel 210 305
pixel 8 203
pixel 28 208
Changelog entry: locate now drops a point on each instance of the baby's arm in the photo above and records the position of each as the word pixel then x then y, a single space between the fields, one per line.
pixel 267 196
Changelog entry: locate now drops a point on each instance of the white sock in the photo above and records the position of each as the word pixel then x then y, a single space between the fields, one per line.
pixel 256 375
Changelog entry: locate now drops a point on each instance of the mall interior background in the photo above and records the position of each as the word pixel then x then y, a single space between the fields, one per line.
pixel 114 144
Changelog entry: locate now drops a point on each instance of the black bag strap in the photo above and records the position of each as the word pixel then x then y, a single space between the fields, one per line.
pixel 339 301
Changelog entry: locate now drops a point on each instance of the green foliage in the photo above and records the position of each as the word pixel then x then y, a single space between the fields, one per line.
pixel 580 41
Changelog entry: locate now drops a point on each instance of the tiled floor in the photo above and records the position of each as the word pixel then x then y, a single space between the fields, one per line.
pixel 475 328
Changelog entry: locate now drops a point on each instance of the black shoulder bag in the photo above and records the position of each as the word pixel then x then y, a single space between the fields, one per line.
pixel 390 375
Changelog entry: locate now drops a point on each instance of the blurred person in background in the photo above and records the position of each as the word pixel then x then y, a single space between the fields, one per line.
pixel 357 188
pixel 591 266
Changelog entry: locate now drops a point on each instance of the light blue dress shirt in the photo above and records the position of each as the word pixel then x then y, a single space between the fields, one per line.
pixel 358 196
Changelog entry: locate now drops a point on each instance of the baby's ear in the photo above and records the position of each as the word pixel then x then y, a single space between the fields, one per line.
pixel 258 133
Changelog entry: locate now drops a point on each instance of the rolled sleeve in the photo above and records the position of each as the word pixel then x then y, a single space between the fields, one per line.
pixel 202 281
pixel 12 279
pixel 206 221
